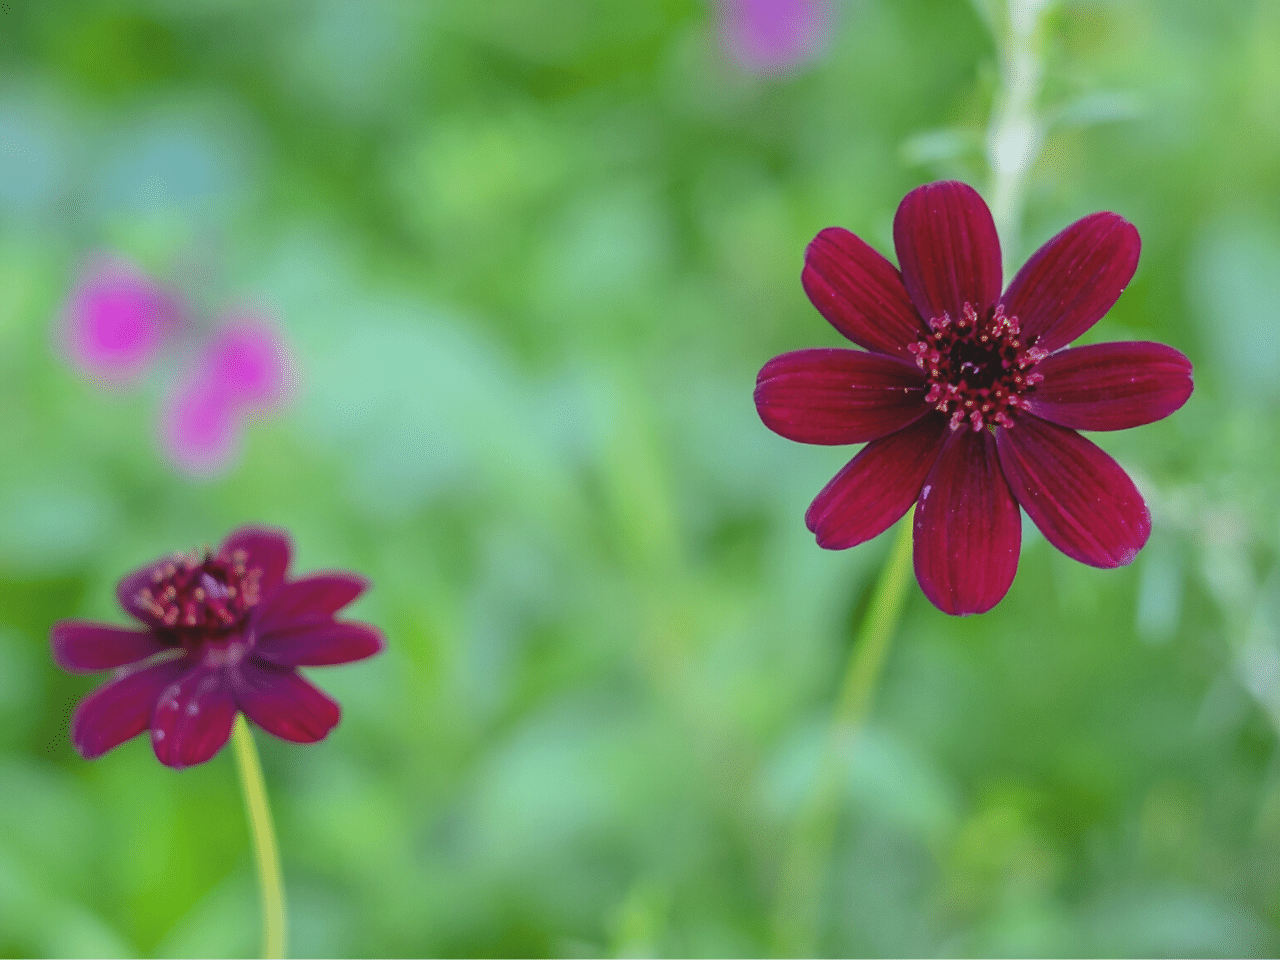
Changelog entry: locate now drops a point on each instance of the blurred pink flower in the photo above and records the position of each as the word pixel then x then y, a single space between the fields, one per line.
pixel 248 359
pixel 114 322
pixel 773 36
pixel 241 371
pixel 199 427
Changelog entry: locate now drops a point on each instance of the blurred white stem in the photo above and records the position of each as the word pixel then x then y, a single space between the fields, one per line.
pixel 1015 134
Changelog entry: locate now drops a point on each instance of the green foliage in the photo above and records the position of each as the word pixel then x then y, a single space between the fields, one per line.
pixel 529 257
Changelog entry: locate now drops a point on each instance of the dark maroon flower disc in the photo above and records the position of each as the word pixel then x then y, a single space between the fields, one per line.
pixel 969 401
pixel 223 632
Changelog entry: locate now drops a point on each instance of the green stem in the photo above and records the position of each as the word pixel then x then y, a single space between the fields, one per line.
pixel 267 855
pixel 796 919
pixel 877 631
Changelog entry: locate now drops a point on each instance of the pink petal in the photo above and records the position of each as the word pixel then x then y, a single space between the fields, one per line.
pixel 1070 283
pixel 948 250
pixel 838 396
pixel 320 644
pixel 192 720
pixel 877 486
pixel 284 704
pixel 772 36
pixel 199 427
pixel 122 709
pixel 247 360
pixel 320 595
pixel 114 321
pixel 1082 501
pixel 1111 386
pixel 82 647
pixel 267 549
pixel 967 529
pixel 860 293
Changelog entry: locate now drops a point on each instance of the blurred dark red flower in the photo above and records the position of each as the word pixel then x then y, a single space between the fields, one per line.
pixel 224 632
pixel 967 401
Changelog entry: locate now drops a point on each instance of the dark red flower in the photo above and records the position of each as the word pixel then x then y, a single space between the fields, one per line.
pixel 967 401
pixel 224 632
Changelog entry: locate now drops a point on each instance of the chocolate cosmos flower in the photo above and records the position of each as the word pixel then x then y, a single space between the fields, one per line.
pixel 224 632
pixel 968 400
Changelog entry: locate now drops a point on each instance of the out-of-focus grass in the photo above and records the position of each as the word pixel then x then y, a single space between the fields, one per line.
pixel 530 258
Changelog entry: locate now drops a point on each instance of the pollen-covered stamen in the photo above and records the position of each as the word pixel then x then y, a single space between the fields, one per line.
pixel 202 594
pixel 978 367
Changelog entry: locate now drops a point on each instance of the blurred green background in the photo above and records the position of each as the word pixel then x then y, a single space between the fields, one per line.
pixel 529 256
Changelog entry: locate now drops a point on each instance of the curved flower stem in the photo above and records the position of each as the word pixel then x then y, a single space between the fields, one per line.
pixel 270 880
pixel 796 919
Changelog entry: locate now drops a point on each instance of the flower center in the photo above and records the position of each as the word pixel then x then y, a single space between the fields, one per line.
pixel 978 368
pixel 202 598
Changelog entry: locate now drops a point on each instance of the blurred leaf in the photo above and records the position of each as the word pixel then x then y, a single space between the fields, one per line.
pixel 1104 106
pixel 935 146
pixel 1234 276
pixel 52 527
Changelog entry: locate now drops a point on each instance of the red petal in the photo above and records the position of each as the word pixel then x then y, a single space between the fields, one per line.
pixel 284 704
pixel 877 486
pixel 320 644
pixel 947 249
pixel 122 709
pixel 860 293
pixel 1070 283
pixel 193 718
pixel 82 647
pixel 967 530
pixel 1111 386
pixel 266 549
pixel 1082 501
pixel 319 595
pixel 838 396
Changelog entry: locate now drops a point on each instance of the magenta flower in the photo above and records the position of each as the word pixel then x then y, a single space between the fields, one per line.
pixel 772 36
pixel 223 632
pixel 114 327
pixel 968 400
pixel 113 323
pixel 248 360
pixel 199 427
pixel 240 371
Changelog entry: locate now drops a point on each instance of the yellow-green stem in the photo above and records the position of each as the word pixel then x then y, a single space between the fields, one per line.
pixel 877 631
pixel 797 908
pixel 267 855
